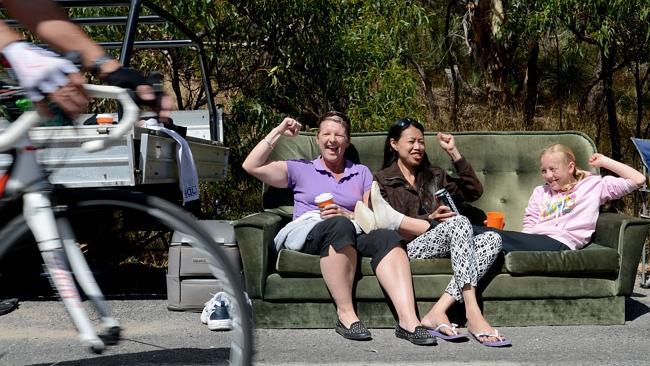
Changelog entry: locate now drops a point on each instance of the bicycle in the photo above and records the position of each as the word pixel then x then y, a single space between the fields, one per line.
pixel 49 213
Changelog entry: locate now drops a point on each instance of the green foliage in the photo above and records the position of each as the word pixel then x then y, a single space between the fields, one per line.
pixel 380 60
pixel 240 193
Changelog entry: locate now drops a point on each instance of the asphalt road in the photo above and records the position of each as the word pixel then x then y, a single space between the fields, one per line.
pixel 40 333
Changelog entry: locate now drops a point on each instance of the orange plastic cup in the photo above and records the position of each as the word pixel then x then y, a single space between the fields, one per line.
pixel 104 119
pixel 324 199
pixel 496 219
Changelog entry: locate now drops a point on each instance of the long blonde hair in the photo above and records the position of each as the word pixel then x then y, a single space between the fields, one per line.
pixel 567 157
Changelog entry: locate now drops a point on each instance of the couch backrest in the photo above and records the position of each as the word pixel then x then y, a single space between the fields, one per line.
pixel 507 163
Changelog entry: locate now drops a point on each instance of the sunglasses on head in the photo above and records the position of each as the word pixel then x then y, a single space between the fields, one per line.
pixel 405 122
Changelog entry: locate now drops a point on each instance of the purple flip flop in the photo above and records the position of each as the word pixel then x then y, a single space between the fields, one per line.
pixel 449 338
pixel 502 342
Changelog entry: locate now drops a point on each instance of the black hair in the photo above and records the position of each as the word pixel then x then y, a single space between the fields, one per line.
pixel 395 132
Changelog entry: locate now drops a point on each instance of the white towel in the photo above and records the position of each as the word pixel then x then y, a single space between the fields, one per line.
pixel 187 177
pixel 293 235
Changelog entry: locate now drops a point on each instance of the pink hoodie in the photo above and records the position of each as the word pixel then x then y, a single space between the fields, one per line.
pixel 570 217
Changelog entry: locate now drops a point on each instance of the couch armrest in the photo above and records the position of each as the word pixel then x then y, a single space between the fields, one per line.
pixel 626 234
pixel 255 235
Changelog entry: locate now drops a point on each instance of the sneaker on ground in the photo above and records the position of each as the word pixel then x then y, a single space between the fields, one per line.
pixel 219 319
pixel 218 298
pixel 207 309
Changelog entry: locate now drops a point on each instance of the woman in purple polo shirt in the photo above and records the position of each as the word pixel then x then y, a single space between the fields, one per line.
pixel 330 231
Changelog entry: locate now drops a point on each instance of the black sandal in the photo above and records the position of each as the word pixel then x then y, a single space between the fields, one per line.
pixel 356 332
pixel 419 336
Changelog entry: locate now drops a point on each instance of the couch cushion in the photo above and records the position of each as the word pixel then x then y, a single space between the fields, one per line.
pixel 592 260
pixel 291 263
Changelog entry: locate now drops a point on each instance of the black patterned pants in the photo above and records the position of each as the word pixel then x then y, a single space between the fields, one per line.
pixel 471 256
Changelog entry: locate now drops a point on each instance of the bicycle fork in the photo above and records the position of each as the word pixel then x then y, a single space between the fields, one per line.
pixel 60 252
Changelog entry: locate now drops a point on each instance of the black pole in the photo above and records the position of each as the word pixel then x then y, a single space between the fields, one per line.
pixel 129 34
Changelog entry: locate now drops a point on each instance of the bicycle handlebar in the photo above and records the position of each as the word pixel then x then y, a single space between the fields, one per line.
pixel 130 114
pixel 27 120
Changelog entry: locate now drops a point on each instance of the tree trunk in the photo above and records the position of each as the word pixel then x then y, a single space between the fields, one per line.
pixel 428 88
pixel 638 88
pixel 610 102
pixel 453 103
pixel 639 83
pixel 557 75
pixel 531 86
pixel 176 80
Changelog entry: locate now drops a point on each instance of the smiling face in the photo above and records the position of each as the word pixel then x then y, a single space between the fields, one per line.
pixel 557 171
pixel 332 141
pixel 409 147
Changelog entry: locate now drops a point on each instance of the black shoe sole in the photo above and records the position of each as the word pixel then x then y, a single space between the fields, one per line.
pixel 345 333
pixel 360 337
pixel 409 336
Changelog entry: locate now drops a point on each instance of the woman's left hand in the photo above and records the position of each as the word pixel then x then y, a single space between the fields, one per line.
pixel 333 210
pixel 448 143
pixel 442 213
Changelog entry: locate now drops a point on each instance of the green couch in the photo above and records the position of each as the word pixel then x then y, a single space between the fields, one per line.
pixel 523 288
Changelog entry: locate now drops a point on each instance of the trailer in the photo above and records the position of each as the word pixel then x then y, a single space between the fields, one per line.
pixel 144 157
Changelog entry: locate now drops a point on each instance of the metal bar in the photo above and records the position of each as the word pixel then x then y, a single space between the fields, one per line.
pixel 92 3
pixel 117 20
pixel 108 20
pixel 215 129
pixel 129 33
pixel 150 44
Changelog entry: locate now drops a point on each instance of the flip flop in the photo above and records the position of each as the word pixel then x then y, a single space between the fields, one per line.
pixel 502 342
pixel 8 305
pixel 448 337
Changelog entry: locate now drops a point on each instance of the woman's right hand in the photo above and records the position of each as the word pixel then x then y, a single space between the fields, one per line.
pixel 290 127
pixel 442 213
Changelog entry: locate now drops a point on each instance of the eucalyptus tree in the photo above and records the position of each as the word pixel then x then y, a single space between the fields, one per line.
pixel 604 25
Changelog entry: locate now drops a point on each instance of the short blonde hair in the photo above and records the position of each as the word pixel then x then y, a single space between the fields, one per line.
pixel 567 156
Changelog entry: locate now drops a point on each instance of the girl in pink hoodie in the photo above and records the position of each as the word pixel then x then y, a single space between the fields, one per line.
pixel 562 213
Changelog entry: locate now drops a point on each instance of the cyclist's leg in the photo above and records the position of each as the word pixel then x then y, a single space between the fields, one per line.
pixel 40 219
pixel 87 282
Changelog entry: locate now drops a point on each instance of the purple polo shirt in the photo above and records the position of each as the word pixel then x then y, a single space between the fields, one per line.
pixel 308 179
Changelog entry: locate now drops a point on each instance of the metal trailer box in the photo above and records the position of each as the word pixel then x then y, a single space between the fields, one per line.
pixel 141 157
pixel 190 282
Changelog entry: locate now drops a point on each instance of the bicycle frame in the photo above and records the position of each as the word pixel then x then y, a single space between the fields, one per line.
pixel 54 236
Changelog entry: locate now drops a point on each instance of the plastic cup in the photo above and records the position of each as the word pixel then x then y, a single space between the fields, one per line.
pixel 324 199
pixel 104 119
pixel 495 219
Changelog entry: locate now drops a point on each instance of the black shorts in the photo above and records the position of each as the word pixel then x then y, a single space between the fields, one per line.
pixel 339 232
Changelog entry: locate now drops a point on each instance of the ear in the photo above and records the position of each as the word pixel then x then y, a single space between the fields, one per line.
pixel 393 144
pixel 572 167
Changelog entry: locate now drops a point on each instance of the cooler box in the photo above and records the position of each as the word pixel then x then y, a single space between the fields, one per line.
pixel 190 282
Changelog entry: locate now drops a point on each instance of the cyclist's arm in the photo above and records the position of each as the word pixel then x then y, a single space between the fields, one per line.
pixel 8 35
pixel 49 22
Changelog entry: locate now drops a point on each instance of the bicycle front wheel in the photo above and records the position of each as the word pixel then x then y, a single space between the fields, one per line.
pixel 159 215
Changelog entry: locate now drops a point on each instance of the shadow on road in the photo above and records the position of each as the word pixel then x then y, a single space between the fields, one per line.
pixel 634 308
pixel 178 356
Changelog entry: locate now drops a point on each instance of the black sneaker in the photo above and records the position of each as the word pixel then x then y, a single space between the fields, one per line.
pixel 8 305
pixel 419 336
pixel 356 332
